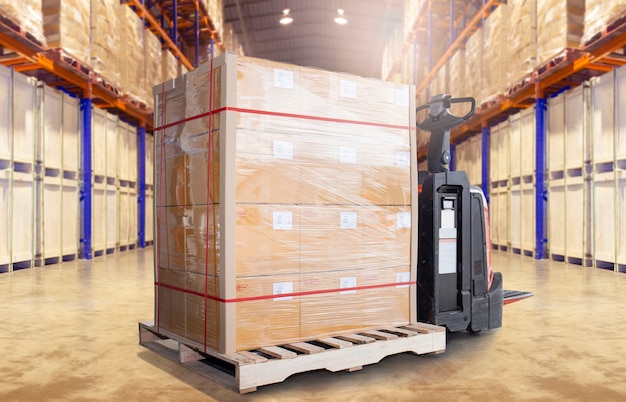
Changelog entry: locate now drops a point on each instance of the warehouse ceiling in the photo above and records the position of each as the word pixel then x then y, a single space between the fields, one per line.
pixel 313 38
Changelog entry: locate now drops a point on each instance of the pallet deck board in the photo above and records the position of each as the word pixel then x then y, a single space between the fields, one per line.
pixel 382 336
pixel 252 370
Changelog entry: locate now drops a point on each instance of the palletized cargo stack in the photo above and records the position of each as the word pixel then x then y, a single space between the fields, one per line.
pixel 67 27
pixel 304 226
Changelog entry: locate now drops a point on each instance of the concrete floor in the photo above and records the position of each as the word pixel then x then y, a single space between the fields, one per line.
pixel 69 332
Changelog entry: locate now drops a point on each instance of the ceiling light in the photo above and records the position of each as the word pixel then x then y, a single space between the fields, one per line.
pixel 340 19
pixel 286 18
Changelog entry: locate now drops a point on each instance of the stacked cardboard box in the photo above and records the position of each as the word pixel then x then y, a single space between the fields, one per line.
pixel 106 57
pixel 599 14
pixel 521 41
pixel 27 14
pixel 66 26
pixel 474 65
pixel 559 26
pixel 495 53
pixel 131 52
pixel 458 80
pixel 152 68
pixel 295 220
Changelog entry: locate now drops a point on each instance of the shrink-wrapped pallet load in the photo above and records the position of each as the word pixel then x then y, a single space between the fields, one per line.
pixel 474 65
pixel 559 26
pixel 66 26
pixel 27 15
pixel 153 69
pixel 495 53
pixel 169 65
pixel 458 81
pixel 131 52
pixel 521 40
pixel 295 219
pixel 599 14
pixel 106 58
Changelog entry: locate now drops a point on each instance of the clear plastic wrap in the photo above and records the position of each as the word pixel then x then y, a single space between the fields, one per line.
pixel 559 26
pixel 521 40
pixel 169 65
pixel 474 65
pixel 599 14
pixel 27 14
pixel 153 69
pixel 131 52
pixel 309 193
pixel 495 52
pixel 67 26
pixel 458 81
pixel 106 58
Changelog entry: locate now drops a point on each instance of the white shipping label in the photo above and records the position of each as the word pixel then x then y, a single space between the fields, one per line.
pixel 283 288
pixel 403 159
pixel 283 149
pixel 347 89
pixel 347 282
pixel 282 220
pixel 283 78
pixel 347 155
pixel 403 277
pixel 403 220
pixel 402 97
pixel 348 220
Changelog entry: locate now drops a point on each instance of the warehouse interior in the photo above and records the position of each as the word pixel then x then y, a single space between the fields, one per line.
pixel 178 164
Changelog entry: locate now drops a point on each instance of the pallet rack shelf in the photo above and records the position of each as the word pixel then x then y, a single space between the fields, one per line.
pixel 176 22
pixel 26 55
pixel 600 54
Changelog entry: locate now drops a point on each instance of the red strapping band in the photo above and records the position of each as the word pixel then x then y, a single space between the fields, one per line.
pixel 295 294
pixel 290 115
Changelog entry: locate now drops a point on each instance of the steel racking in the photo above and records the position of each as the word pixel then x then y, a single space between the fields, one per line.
pixel 598 55
pixel 187 22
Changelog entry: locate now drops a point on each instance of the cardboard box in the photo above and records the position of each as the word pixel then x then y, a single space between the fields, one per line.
pixel 268 321
pixel 267 240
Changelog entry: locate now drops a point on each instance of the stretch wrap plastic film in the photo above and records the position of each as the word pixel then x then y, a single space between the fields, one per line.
pixel 599 14
pixel 67 26
pixel 284 203
pixel 27 15
pixel 559 26
pixel 106 57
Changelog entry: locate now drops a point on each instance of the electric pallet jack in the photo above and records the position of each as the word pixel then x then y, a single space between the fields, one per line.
pixel 456 285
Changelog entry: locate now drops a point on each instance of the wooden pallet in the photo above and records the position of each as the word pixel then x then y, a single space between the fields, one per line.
pixel 244 371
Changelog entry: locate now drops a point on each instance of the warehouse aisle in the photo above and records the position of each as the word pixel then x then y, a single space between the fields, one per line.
pixel 69 332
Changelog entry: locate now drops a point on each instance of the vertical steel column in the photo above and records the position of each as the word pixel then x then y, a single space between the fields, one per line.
pixel 211 47
pixel 196 26
pixel 141 196
pixel 484 173
pixel 540 166
pixel 174 32
pixel 87 188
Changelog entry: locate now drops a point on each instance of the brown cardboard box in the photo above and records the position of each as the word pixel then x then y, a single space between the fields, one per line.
pixel 387 236
pixel 331 238
pixel 269 321
pixel 327 313
pixel 267 240
pixel 191 238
